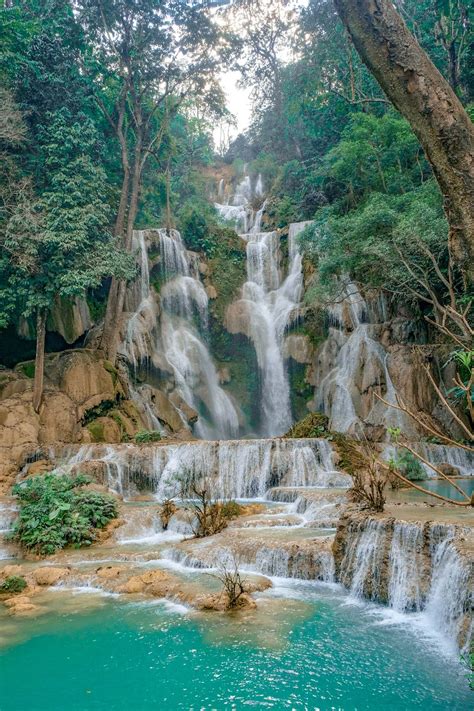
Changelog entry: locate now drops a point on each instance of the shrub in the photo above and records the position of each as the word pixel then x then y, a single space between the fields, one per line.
pixel 408 465
pixel 231 509
pixel 144 436
pixel 13 584
pixel 55 511
pixel 167 510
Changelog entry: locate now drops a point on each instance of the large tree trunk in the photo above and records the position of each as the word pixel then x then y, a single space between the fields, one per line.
pixel 109 335
pixel 118 287
pixel 426 100
pixel 39 359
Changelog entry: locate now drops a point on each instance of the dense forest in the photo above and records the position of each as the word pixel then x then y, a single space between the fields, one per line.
pixel 98 106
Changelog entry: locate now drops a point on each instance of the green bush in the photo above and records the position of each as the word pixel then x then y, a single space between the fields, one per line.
pixel 13 584
pixel 409 466
pixel 147 436
pixel 55 512
pixel 231 509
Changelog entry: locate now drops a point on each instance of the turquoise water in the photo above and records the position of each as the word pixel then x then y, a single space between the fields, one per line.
pixel 440 487
pixel 315 652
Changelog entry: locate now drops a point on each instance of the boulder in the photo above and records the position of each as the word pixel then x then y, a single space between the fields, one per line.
pixel 298 347
pixel 153 582
pixel 109 572
pixel 211 291
pixel 189 412
pixel 86 379
pixel 166 411
pixel 49 576
pixel 105 429
pixel 58 419
pixel 237 318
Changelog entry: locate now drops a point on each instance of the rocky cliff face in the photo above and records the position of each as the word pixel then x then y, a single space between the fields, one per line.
pixel 86 399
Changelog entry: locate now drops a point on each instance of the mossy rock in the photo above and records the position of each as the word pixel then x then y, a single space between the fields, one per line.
pixel 27 368
pixel 105 429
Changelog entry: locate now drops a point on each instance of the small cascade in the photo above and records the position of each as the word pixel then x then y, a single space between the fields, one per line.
pixel 8 513
pixel 407 567
pixel 238 469
pixel 238 209
pixel 345 390
pixel 460 459
pixel 449 604
pixel 361 566
pixel 411 569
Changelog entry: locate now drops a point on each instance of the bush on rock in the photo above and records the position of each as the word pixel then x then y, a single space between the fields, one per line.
pixel 56 511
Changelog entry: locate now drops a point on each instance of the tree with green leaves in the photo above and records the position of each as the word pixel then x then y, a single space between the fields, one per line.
pixel 145 60
pixel 56 242
pixel 421 94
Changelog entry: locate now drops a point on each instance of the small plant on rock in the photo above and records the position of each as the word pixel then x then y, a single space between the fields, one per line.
pixel 13 584
pixel 146 436
pixel 234 586
pixel 369 485
pixel 167 510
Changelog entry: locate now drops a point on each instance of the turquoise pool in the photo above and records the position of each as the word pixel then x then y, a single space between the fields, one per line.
pixel 312 652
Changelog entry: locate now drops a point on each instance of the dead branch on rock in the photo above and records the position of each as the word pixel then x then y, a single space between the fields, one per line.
pixel 234 586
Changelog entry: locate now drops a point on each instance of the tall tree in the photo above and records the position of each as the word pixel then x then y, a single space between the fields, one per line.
pixel 147 58
pixel 425 98
pixel 58 245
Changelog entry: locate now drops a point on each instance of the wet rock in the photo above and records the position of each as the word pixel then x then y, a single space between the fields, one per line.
pixel 21 606
pixel 105 429
pixel 110 572
pixel 219 602
pixel 153 582
pixel 49 576
pixel 298 347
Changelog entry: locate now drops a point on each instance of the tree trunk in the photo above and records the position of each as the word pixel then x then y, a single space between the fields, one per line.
pixel 427 101
pixel 39 359
pixel 118 287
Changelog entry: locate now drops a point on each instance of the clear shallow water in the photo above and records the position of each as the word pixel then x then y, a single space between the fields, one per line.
pixel 307 651
pixel 439 487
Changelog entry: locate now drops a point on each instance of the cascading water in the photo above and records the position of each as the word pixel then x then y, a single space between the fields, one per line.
pixel 238 469
pixel 175 334
pixel 360 365
pixel 269 303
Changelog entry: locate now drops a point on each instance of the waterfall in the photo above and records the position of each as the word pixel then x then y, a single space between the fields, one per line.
pixel 142 304
pixel 269 304
pixel 360 365
pixel 239 209
pixel 238 469
pixel 449 602
pixel 183 297
pixel 176 334
pixel 362 563
pixel 411 568
pixel 407 567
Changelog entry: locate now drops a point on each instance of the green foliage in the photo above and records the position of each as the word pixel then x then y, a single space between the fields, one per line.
pixel 28 369
pixel 408 465
pixel 13 584
pixel 145 436
pixel 56 511
pixel 315 424
pixel 231 509
pixel 463 392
